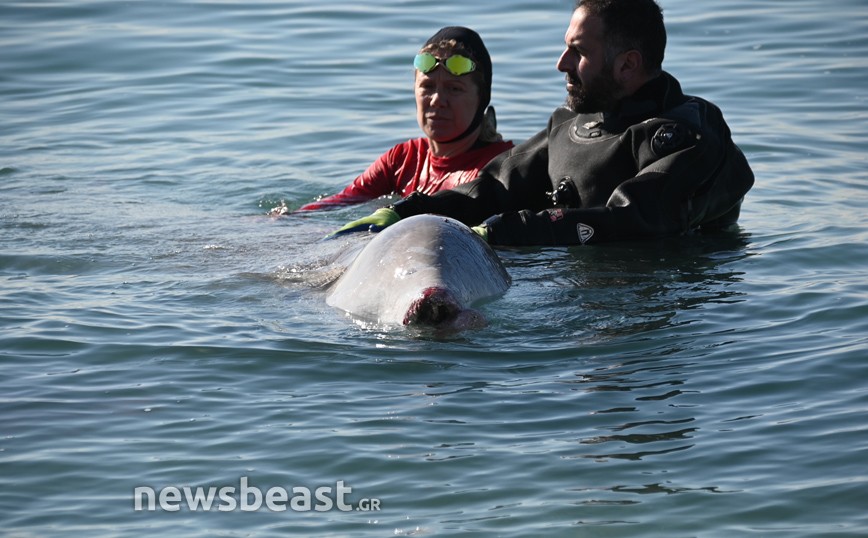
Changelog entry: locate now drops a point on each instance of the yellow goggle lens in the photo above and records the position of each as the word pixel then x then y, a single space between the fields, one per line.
pixel 456 64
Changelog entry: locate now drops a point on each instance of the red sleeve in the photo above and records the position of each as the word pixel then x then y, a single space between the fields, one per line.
pixel 407 168
pixel 380 179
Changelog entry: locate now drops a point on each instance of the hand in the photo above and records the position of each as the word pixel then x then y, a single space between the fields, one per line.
pixel 376 222
pixel 279 211
pixel 482 231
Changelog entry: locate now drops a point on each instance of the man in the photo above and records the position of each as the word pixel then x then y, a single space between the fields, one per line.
pixel 629 155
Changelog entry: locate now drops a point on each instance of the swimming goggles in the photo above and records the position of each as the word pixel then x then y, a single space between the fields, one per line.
pixel 456 64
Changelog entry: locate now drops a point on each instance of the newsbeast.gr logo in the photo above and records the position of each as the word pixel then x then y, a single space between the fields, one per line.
pixel 249 498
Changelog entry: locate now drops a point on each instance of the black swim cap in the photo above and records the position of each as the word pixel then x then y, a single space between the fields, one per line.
pixel 472 43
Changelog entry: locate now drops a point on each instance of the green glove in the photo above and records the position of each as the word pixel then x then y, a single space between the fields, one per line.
pixel 482 231
pixel 376 222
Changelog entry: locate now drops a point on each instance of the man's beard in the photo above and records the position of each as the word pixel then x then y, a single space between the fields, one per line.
pixel 601 94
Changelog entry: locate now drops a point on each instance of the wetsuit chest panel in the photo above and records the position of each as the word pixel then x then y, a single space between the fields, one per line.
pixel 595 163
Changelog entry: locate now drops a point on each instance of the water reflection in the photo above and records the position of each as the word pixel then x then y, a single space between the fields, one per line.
pixel 626 289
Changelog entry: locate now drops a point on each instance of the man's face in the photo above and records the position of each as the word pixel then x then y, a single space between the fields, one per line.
pixel 591 84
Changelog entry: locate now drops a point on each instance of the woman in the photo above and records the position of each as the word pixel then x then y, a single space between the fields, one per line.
pixel 453 89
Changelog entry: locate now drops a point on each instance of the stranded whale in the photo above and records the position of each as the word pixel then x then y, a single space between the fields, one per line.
pixel 425 270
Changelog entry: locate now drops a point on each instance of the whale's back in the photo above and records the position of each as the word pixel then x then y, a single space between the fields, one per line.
pixel 423 269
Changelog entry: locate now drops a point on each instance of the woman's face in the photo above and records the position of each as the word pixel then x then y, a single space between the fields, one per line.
pixel 445 103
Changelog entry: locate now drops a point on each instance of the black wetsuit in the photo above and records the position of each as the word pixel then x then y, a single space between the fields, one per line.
pixel 664 164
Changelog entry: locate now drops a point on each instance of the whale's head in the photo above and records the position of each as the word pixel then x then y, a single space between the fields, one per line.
pixel 423 270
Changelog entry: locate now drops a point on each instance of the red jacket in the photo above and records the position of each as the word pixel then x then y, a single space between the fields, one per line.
pixel 410 167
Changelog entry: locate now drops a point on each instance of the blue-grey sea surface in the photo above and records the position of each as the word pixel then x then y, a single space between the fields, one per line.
pixel 158 331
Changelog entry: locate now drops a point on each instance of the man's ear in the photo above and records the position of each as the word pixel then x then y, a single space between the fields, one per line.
pixel 629 70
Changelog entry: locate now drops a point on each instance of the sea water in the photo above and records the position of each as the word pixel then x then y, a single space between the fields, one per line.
pixel 158 332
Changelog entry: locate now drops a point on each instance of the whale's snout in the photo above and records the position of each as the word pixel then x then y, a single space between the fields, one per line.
pixel 435 305
pixel 438 307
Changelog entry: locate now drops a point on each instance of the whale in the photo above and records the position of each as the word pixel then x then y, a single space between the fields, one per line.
pixel 425 270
